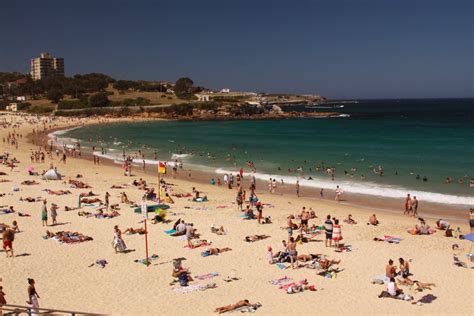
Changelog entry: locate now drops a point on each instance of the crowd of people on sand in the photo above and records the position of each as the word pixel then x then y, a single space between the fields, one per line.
pixel 302 227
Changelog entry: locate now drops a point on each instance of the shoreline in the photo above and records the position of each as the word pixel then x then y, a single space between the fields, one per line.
pixel 371 203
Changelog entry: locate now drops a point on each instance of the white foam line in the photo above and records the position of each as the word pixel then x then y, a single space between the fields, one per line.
pixel 368 188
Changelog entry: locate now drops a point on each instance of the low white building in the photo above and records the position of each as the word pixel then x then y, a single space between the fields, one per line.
pixel 203 97
pixel 12 107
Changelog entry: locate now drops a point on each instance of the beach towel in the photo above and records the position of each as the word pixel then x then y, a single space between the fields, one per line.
pixel 150 259
pixel 285 287
pixel 346 248
pixel 197 246
pixel 392 239
pixel 221 206
pixel 170 231
pixel 282 266
pixel 280 281
pixel 207 276
pixel 247 309
pixel 194 288
pixel 101 263
pixel 381 279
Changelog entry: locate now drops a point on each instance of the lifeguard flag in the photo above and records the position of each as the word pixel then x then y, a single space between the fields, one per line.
pixel 162 167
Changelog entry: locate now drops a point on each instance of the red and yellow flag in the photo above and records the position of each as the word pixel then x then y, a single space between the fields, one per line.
pixel 162 167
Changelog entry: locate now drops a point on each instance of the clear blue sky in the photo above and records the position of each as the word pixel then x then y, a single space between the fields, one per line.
pixel 341 49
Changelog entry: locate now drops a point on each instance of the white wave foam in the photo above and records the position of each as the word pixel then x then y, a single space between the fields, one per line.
pixel 179 156
pixel 368 188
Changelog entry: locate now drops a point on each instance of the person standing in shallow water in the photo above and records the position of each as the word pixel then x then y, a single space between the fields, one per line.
pixel 414 206
pixel 407 205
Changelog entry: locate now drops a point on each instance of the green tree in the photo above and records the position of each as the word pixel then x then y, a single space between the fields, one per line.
pixel 98 100
pixel 183 87
pixel 54 95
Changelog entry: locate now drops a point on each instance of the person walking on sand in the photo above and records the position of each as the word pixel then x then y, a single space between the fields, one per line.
pixel 44 214
pixel 338 193
pixel 414 206
pixel 118 243
pixel 33 297
pixel 407 205
pixel 8 237
pixel 298 188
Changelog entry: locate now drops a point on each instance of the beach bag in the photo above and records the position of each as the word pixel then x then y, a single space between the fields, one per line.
pixel 183 279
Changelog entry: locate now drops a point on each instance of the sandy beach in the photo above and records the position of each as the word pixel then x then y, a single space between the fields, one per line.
pixel 64 279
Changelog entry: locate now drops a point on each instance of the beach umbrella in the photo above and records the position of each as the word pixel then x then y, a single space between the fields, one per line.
pixel 30 169
pixel 469 237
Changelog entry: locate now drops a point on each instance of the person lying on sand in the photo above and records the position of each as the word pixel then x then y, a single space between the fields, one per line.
pixel 308 257
pixel 232 307
pixel 324 262
pixel 420 286
pixel 215 251
pixel 29 182
pixel 218 231
pixel 58 192
pixel 198 243
pixel 254 238
pixel 132 231
pixel 350 220
pixel 68 237
pixel 373 220
pixel 90 201
pixel 79 184
pixel 31 200
pixel 115 186
pixel 88 194
pixel 9 210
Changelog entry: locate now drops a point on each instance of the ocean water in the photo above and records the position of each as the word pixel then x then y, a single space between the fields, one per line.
pixel 408 139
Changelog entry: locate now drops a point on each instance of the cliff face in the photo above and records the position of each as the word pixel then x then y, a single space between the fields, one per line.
pixel 199 111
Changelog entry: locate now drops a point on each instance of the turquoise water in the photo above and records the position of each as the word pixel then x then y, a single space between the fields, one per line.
pixel 407 138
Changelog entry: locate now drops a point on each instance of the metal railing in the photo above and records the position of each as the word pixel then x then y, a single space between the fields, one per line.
pixel 9 309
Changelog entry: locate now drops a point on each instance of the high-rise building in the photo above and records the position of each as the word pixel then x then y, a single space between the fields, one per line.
pixel 47 66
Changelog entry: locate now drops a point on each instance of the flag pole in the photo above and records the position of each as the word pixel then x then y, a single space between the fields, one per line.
pixel 159 184
pixel 146 242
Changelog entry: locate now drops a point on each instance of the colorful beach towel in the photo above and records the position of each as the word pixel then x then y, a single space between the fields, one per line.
pixel 207 276
pixel 282 266
pixel 170 231
pixel 150 259
pixel 194 288
pixel 280 281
